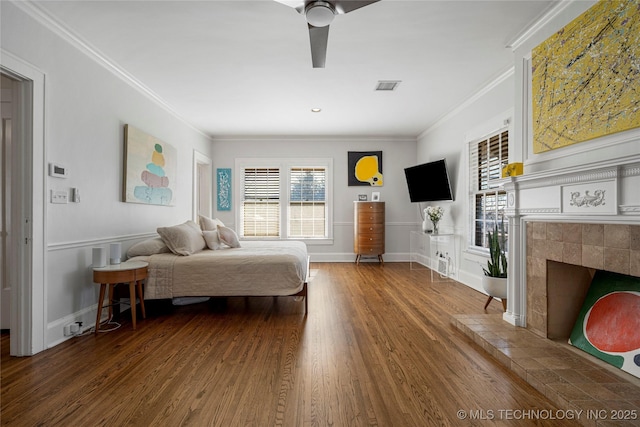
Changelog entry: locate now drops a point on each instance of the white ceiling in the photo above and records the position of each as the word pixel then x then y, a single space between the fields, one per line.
pixel 243 68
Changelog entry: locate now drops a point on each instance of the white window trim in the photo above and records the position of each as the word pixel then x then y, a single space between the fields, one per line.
pixel 493 126
pixel 285 165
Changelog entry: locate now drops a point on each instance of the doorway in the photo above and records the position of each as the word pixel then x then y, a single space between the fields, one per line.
pixel 202 185
pixel 7 107
pixel 23 208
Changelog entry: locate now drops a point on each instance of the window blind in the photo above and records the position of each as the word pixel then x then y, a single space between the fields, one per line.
pixel 261 202
pixel 307 202
pixel 487 157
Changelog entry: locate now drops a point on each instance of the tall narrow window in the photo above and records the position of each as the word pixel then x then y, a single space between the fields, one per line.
pixel 487 158
pixel 307 202
pixel 261 202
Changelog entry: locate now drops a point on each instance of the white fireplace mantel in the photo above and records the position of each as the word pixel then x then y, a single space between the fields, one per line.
pixel 599 192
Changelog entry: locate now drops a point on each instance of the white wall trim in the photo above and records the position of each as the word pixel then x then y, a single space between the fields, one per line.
pixel 317 139
pixel 101 241
pixel 55 329
pixel 473 98
pixel 539 23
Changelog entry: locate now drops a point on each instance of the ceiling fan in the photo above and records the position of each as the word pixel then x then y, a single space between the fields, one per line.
pixel 319 14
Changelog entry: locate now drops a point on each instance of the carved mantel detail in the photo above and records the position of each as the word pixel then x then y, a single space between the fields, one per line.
pixel 587 200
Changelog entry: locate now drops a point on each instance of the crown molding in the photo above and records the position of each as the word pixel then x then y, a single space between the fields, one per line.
pixel 38 13
pixel 547 16
pixel 473 98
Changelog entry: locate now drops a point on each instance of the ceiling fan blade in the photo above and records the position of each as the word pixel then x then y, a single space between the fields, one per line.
pixel 346 6
pixel 296 4
pixel 319 37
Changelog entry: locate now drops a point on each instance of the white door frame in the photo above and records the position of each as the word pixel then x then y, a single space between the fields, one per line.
pixel 28 308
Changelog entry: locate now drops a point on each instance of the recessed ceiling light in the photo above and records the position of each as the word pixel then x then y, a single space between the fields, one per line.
pixel 316 110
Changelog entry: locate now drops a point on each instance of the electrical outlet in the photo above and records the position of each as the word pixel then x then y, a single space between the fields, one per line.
pixel 67 329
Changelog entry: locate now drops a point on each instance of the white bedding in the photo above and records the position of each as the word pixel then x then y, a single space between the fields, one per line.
pixel 258 268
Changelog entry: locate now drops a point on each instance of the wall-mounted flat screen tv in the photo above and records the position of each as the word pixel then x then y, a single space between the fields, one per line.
pixel 429 182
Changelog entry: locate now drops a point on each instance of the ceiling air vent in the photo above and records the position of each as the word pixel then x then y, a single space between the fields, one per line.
pixel 387 85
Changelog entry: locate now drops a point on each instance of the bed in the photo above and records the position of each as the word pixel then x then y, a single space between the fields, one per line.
pixel 253 268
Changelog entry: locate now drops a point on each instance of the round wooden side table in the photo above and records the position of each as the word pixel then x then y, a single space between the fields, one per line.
pixel 131 272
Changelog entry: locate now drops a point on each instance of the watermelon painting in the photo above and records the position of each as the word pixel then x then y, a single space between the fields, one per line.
pixel 608 325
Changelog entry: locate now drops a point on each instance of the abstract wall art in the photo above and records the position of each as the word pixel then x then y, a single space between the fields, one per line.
pixel 365 168
pixel 608 325
pixel 585 78
pixel 223 190
pixel 149 169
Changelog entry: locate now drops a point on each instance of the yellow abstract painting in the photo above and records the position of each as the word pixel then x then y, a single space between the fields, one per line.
pixel 586 77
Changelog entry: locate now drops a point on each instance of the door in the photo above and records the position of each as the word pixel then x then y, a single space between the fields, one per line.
pixel 7 106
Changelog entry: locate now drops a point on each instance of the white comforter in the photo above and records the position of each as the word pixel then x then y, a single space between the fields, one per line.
pixel 258 268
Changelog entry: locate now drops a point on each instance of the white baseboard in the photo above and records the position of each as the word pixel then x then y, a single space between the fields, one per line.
pixel 55 329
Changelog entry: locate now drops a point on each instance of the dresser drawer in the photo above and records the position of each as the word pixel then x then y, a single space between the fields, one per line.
pixel 370 239
pixel 369 228
pixel 371 250
pixel 370 218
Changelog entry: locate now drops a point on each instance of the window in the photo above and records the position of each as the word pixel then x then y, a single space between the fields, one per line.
pixel 307 202
pixel 487 157
pixel 285 198
pixel 261 202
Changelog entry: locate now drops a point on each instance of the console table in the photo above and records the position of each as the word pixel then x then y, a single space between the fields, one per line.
pixel 435 252
pixel 131 272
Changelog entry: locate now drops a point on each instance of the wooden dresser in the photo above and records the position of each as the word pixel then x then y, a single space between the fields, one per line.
pixel 368 229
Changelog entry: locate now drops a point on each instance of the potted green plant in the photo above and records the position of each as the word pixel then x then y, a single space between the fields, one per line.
pixel 494 280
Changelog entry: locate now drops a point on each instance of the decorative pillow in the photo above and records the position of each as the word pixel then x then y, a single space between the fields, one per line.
pixel 228 237
pixel 183 239
pixel 212 239
pixel 207 223
pixel 148 247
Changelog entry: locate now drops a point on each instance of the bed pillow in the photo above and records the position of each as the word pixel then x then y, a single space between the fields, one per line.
pixel 228 236
pixel 183 239
pixel 148 247
pixel 207 223
pixel 213 239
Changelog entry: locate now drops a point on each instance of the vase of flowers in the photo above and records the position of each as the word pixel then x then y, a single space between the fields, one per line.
pixel 434 213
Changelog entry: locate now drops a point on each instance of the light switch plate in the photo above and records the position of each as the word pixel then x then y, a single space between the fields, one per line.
pixel 59 196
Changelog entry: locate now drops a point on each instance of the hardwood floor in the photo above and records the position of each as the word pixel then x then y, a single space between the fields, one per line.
pixel 376 348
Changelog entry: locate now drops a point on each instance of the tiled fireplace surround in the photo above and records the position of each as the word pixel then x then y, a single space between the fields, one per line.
pixel 556 245
pixel 610 247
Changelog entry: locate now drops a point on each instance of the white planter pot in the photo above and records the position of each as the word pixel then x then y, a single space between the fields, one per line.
pixel 495 286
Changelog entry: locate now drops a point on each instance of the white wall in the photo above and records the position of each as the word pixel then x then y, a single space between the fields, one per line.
pixel 397 154
pixel 86 109
pixel 447 139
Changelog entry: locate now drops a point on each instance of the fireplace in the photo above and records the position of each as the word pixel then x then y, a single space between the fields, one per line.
pixel 561 259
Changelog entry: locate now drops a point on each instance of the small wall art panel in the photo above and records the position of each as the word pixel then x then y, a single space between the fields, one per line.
pixel 585 77
pixel 365 168
pixel 223 190
pixel 150 169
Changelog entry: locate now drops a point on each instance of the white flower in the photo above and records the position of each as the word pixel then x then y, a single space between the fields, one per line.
pixel 434 213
